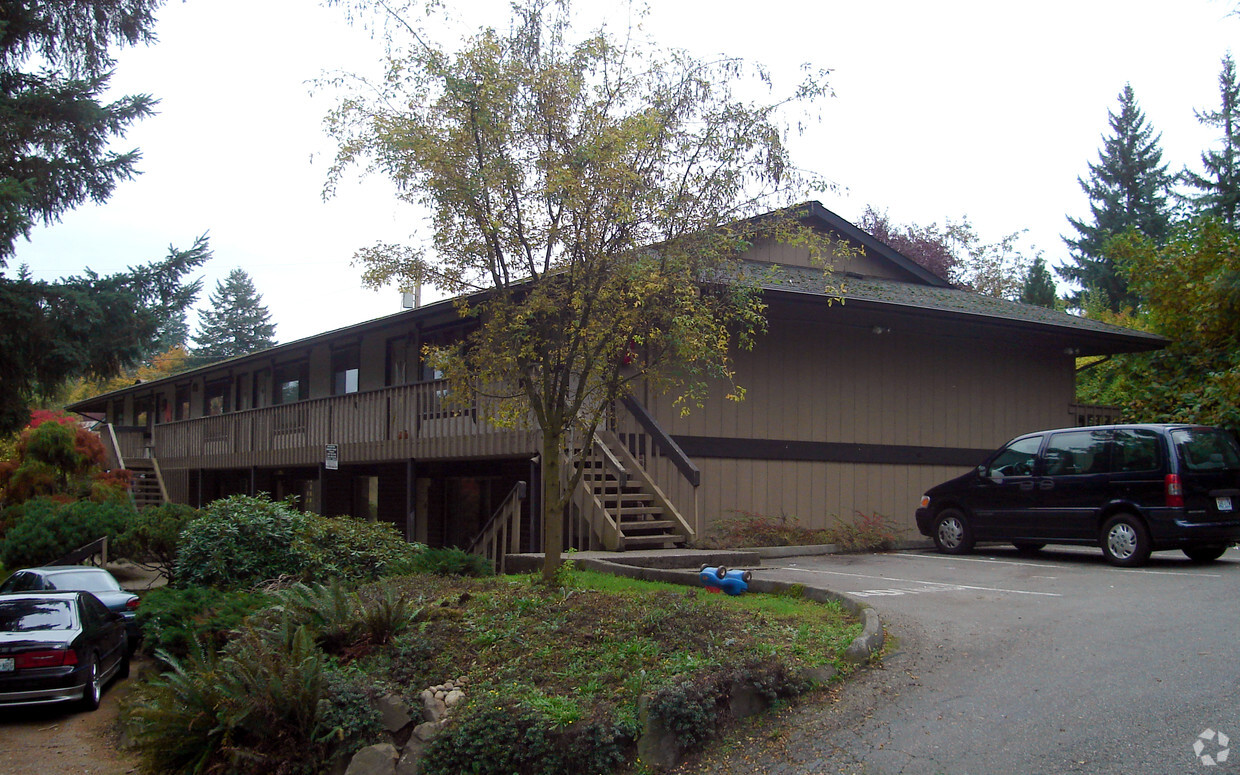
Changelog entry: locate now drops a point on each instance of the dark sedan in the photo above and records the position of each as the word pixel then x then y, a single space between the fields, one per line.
pixel 58 647
pixel 84 578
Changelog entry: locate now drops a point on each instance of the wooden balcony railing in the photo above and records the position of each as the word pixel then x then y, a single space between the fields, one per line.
pixel 380 424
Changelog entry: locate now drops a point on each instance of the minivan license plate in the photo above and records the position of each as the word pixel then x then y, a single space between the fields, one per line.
pixel 1223 504
pixel 6 664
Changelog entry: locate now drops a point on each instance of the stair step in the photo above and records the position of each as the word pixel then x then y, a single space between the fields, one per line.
pixel 659 541
pixel 626 511
pixel 649 524
pixel 611 501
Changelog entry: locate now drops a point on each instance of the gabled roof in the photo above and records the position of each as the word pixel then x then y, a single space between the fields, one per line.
pixel 872 245
pixel 952 302
pixel 927 293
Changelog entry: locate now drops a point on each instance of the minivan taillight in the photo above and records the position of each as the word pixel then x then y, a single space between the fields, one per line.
pixel 48 658
pixel 1174 491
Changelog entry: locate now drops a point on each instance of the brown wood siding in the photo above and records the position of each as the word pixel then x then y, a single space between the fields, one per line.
pixel 816 494
pixel 846 398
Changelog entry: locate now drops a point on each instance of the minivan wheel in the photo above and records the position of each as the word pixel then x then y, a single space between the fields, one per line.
pixel 1204 553
pixel 1125 541
pixel 952 533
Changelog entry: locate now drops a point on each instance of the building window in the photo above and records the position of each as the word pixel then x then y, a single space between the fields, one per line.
pixel 291 383
pixel 142 411
pixel 345 367
pixel 182 402
pixel 215 398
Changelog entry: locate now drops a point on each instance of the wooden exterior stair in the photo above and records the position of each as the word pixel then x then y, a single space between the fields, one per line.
pixel 146 487
pixel 622 505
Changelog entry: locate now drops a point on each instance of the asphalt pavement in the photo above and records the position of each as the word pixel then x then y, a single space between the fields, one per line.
pixel 1002 663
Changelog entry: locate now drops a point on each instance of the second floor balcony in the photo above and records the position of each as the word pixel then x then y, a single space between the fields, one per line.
pixel 407 421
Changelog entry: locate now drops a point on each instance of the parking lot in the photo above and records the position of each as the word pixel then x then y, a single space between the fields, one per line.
pixel 1052 663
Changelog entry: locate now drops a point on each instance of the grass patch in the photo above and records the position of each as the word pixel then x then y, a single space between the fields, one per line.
pixel 557 670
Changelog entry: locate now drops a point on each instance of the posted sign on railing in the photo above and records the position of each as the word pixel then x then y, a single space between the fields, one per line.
pixel 331 460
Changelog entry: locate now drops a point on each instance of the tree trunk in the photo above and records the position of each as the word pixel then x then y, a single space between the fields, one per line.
pixel 553 503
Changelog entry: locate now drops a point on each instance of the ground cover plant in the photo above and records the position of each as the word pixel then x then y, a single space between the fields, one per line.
pixel 865 532
pixel 555 675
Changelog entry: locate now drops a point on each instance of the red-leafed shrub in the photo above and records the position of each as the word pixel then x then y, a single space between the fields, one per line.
pixel 55 456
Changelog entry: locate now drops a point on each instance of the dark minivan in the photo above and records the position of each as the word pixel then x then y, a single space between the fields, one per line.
pixel 1130 489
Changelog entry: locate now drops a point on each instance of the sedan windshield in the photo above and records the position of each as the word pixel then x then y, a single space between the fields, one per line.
pixel 1206 449
pixel 33 615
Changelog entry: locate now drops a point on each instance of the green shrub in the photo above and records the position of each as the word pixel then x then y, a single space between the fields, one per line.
pixel 240 541
pixel 255 708
pixel 339 619
pixel 174 620
pixel 693 708
pixel 348 709
pixel 153 536
pixel 511 737
pixel 451 562
pixel 43 529
pixel 352 548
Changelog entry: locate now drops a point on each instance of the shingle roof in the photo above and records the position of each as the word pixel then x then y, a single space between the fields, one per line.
pixel 953 301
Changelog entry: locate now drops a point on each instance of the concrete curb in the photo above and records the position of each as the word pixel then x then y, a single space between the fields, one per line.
pixel 863 647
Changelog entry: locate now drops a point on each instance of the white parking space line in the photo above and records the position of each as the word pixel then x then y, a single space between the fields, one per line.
pixel 1101 567
pixel 944 586
pixel 958 558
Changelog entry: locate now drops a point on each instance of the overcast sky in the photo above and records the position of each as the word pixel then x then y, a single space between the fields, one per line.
pixel 942 109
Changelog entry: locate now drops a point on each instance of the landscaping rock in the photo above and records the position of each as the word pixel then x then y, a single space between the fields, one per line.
pixel 410 762
pixel 657 747
pixel 453 698
pixel 433 708
pixel 394 713
pixel 745 701
pixel 819 675
pixel 374 760
pixel 428 731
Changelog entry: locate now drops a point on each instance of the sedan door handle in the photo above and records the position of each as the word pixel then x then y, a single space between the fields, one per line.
pixel 1046 484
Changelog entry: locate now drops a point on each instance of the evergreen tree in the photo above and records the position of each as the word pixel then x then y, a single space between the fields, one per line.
pixel 1039 287
pixel 55 150
pixel 55 153
pixel 236 322
pixel 1220 185
pixel 88 326
pixel 1128 189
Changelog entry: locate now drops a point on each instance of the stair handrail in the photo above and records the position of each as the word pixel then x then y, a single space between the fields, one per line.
pixel 674 452
pixel 116 446
pixel 600 521
pixel 159 478
pixel 607 438
pixel 96 548
pixel 502 529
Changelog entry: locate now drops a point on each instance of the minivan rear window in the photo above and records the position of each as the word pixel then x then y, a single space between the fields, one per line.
pixel 1206 449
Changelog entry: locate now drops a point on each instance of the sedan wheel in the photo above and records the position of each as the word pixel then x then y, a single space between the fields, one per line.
pixel 93 692
pixel 952 533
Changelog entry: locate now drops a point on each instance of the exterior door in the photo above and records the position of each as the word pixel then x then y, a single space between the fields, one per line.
pixel 1005 495
pixel 1074 482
